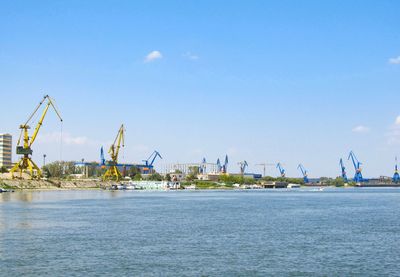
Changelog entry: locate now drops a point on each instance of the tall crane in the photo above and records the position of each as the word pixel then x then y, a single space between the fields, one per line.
pixel 225 166
pixel 281 170
pixel 113 172
pixel 26 163
pixel 243 166
pixel 396 176
pixel 203 166
pixel 357 167
pixel 343 169
pixel 219 166
pixel 102 159
pixel 304 172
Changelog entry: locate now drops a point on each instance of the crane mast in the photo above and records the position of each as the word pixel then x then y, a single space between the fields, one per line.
pixel 343 169
pixel 26 163
pixel 396 175
pixel 113 172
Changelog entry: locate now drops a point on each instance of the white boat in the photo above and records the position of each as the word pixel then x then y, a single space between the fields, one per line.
pixel 293 186
pixel 118 187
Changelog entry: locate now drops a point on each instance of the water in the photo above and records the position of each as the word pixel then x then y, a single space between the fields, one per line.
pixel 336 232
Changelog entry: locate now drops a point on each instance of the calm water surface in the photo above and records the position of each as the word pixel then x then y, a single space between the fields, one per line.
pixel 336 232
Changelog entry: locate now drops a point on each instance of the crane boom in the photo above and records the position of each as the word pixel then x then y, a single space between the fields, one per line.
pixel 281 170
pixel 114 148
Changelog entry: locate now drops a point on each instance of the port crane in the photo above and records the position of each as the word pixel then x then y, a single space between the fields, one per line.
pixel 343 168
pixel 396 176
pixel 357 167
pixel 304 172
pixel 203 166
pixel 281 170
pixel 26 163
pixel 219 166
pixel 102 159
pixel 243 166
pixel 225 166
pixel 113 172
pixel 152 157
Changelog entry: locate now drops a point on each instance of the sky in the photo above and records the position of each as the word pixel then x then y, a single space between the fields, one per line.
pixel 262 81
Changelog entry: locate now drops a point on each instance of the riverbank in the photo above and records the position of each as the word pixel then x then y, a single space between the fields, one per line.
pixel 52 184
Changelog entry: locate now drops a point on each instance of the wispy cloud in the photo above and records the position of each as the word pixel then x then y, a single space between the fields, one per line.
pixel 361 129
pixel 395 60
pixel 67 139
pixel 152 56
pixel 190 56
pixel 393 135
pixel 397 121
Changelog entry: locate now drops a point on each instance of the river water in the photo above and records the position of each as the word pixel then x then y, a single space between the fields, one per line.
pixel 306 232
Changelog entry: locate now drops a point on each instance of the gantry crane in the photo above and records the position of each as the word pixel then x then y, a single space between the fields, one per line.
pixel 357 167
pixel 396 176
pixel 281 170
pixel 343 169
pixel 304 172
pixel 113 172
pixel 26 163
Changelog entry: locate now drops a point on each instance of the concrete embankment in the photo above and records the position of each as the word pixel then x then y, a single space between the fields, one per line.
pixel 53 184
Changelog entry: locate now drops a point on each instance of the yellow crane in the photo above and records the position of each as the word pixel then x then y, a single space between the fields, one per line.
pixel 26 163
pixel 113 172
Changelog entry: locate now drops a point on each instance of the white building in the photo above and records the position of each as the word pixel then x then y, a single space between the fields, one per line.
pixel 5 150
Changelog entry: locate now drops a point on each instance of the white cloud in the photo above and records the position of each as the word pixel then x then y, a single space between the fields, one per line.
pixel 67 139
pixel 394 132
pixel 152 56
pixel 191 56
pixel 397 121
pixel 361 129
pixel 395 60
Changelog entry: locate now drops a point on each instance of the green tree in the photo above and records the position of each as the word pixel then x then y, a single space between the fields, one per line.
pixel 133 171
pixel 137 177
pixel 155 177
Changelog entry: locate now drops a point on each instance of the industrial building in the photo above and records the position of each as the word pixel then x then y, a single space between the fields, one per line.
pixel 5 150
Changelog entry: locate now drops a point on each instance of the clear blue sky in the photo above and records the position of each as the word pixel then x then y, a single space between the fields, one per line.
pixel 264 81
